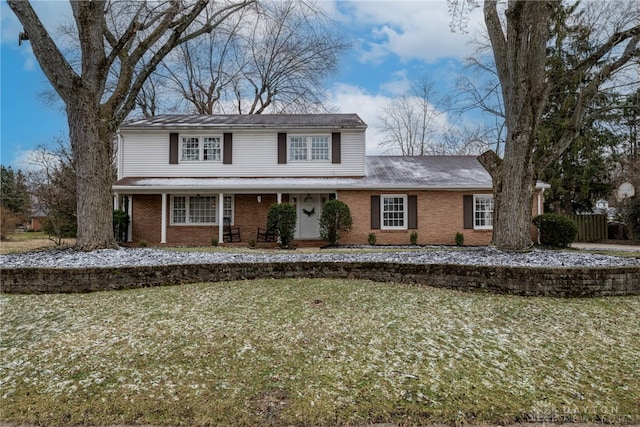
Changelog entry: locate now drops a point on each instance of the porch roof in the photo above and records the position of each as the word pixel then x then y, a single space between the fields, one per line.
pixel 382 173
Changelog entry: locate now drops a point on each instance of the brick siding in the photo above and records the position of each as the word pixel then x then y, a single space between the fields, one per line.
pixel 440 217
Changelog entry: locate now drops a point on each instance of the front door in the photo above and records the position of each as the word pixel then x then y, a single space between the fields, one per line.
pixel 309 210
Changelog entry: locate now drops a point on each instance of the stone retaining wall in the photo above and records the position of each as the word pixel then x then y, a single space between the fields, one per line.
pixel 525 281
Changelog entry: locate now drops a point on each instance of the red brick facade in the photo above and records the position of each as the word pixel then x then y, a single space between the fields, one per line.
pixel 440 217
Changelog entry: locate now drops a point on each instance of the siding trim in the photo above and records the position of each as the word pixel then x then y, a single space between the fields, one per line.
pixel 173 148
pixel 412 216
pixel 467 202
pixel 282 148
pixel 375 212
pixel 227 149
pixel 336 149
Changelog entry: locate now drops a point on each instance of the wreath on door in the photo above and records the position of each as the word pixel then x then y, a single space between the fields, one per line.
pixel 309 213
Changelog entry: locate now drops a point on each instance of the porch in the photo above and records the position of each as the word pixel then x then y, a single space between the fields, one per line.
pixel 189 218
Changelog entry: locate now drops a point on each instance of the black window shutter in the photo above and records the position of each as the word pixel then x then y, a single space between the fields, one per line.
pixel 282 148
pixel 412 202
pixel 467 202
pixel 336 149
pixel 227 149
pixel 173 148
pixel 375 212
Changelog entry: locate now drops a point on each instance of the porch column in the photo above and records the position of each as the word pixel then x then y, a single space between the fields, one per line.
pixel 116 201
pixel 279 198
pixel 163 219
pixel 220 218
pixel 130 212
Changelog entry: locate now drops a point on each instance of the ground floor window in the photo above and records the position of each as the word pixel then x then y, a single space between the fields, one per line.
pixel 394 211
pixel 199 209
pixel 483 211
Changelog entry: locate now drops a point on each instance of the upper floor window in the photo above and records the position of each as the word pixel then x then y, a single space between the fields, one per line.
pixel 483 211
pixel 305 147
pixel 394 211
pixel 207 148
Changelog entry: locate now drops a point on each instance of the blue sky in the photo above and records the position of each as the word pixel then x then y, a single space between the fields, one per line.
pixel 394 43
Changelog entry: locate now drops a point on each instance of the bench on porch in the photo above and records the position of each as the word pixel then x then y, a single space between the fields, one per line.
pixel 266 236
pixel 231 234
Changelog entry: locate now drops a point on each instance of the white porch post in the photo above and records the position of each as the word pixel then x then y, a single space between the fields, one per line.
pixel 130 211
pixel 163 220
pixel 116 201
pixel 220 218
pixel 279 198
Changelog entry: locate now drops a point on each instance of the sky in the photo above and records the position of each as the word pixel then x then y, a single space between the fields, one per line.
pixel 393 44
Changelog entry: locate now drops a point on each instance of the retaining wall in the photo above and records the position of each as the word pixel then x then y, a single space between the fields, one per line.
pixel 525 281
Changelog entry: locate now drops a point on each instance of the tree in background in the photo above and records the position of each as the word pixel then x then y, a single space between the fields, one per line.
pixel 120 46
pixel 520 36
pixel 15 204
pixel 272 58
pixel 418 124
pixel 53 187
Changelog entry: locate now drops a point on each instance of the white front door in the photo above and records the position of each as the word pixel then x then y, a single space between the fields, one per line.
pixel 309 210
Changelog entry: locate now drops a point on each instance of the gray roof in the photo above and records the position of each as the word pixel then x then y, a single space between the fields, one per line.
pixel 240 121
pixel 445 172
pixel 382 173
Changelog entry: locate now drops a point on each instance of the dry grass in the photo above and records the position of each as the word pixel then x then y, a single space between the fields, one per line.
pixel 316 352
pixel 25 242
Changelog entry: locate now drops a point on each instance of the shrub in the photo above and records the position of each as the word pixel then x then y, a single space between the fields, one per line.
pixel 214 241
pixel 555 230
pixel 120 225
pixel 459 239
pixel 631 216
pixel 8 222
pixel 335 218
pixel 413 237
pixel 281 219
pixel 372 239
pixel 143 243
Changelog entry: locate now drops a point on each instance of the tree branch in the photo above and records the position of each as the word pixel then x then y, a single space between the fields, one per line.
pixel 53 63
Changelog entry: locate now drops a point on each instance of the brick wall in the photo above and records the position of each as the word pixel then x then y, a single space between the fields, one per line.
pixel 440 216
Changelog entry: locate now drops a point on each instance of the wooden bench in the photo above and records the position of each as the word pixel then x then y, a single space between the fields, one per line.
pixel 266 236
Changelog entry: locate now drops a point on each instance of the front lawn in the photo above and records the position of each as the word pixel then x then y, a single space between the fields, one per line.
pixel 316 352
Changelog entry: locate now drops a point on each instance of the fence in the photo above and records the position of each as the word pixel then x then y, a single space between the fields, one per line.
pixel 591 227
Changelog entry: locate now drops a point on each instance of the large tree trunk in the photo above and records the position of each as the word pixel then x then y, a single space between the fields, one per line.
pixel 92 143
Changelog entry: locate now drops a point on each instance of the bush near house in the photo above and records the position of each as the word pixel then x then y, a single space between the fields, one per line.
pixel 281 219
pixel 556 231
pixel 335 218
pixel 631 217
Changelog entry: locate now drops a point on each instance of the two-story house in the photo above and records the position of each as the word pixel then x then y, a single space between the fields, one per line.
pixel 185 179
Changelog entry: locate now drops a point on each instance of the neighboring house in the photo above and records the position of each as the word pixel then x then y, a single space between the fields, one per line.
pixel 179 175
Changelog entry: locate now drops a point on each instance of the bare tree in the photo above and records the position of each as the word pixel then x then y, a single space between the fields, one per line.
pixel 414 124
pixel 52 186
pixel 121 44
pixel 519 44
pixel 273 58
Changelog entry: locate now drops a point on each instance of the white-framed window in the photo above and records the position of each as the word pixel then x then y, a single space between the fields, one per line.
pixel 196 148
pixel 483 211
pixel 393 208
pixel 309 147
pixel 199 209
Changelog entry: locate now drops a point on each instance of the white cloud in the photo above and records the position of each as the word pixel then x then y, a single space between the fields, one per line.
pixel 353 99
pixel 409 29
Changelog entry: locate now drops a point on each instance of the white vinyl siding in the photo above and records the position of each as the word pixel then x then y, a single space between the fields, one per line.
pixel 255 154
